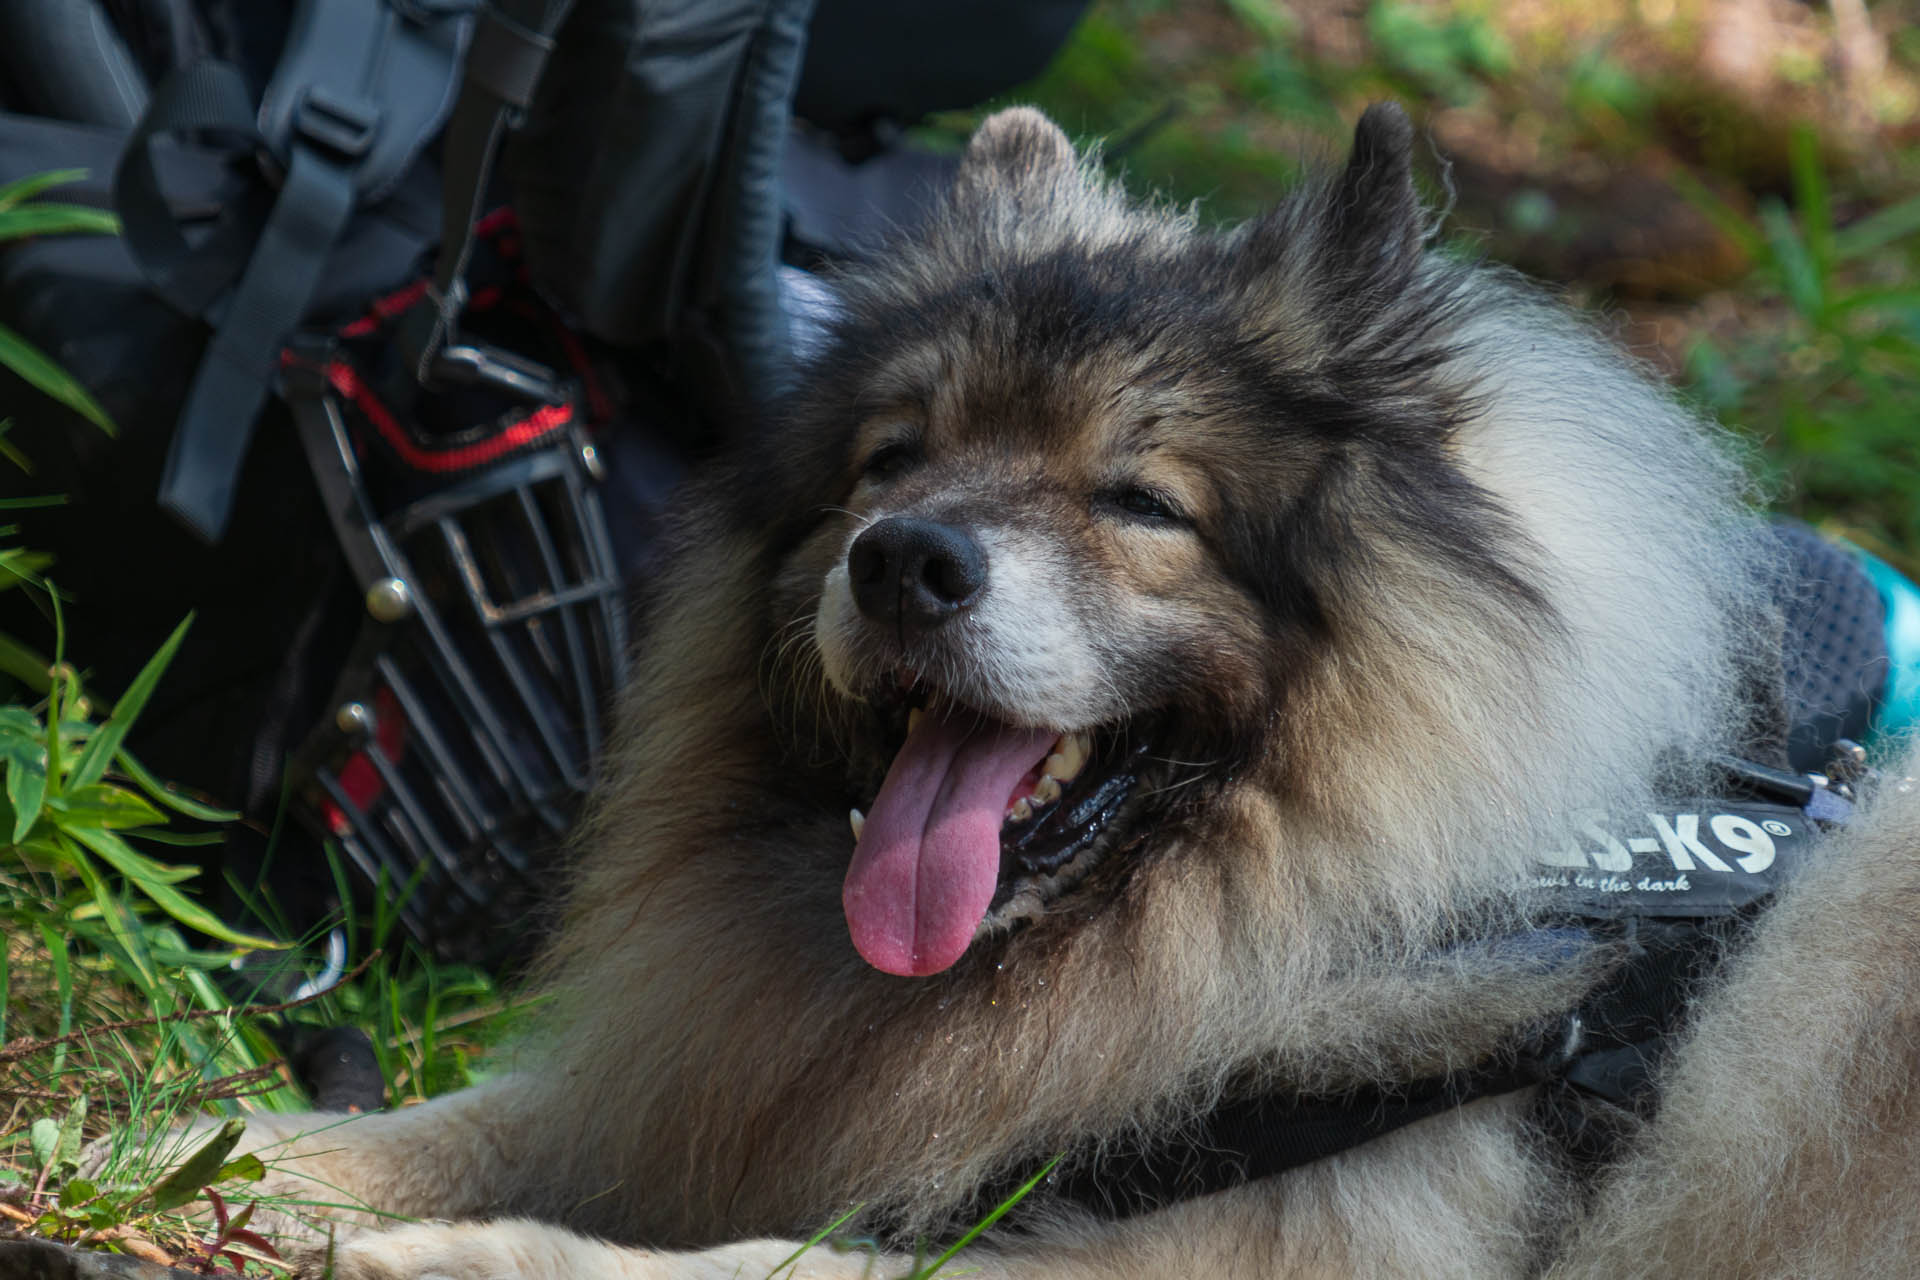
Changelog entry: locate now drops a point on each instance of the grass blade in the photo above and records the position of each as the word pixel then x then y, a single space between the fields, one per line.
pixel 162 794
pixel 1726 219
pixel 99 805
pixel 1811 197
pixel 814 1241
pixel 35 368
pixel 48 218
pixel 106 740
pixel 21 567
pixel 120 925
pixel 1799 274
pixel 11 453
pixel 187 1181
pixel 56 687
pixel 24 189
pixel 56 945
pixel 1878 230
pixel 26 787
pixel 150 880
pixel 23 664
pixel 178 839
pixel 999 1211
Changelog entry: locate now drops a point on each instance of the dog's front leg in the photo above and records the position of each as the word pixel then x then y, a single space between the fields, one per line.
pixel 516 1249
pixel 467 1154
pixel 1374 1216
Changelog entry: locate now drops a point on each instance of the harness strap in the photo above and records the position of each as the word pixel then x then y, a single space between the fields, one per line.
pixel 1258 1137
pixel 1675 903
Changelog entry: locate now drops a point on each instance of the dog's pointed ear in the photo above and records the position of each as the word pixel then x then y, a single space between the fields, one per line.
pixel 1016 150
pixel 1376 219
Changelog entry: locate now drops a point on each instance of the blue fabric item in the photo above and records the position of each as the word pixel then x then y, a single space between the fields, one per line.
pixel 1900 711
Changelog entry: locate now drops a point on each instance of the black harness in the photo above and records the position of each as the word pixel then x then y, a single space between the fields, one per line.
pixel 1678 888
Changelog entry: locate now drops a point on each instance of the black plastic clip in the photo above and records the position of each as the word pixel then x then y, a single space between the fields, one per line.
pixel 343 127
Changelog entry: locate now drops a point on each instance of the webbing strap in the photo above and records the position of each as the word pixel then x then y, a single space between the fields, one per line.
pixel 362 86
pixel 501 69
pixel 1242 1140
pixel 231 385
pixel 205 98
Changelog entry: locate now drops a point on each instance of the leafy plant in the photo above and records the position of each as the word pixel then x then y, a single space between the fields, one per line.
pixel 63 816
pixel 1827 375
pixel 141 1201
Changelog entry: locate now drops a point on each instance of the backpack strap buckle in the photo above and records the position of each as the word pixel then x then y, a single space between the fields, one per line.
pixel 343 127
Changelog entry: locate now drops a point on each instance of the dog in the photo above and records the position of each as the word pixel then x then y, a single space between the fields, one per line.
pixel 1202 632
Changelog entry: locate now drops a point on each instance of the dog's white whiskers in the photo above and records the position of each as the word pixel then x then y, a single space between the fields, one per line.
pixel 1184 764
pixel 860 522
pixel 1169 788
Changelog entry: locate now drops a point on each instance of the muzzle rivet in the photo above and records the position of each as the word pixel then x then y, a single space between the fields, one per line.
pixel 353 719
pixel 590 459
pixel 390 600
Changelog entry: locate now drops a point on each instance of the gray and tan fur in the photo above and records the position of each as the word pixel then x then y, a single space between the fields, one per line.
pixel 1423 567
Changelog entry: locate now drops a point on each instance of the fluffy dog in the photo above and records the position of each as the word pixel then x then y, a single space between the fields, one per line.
pixel 1205 630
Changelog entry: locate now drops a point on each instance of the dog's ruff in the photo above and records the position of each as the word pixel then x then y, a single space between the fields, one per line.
pixel 1339 573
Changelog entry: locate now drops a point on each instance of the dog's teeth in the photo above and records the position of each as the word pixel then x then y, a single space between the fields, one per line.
pixel 914 717
pixel 1047 790
pixel 859 822
pixel 1069 757
pixel 1020 810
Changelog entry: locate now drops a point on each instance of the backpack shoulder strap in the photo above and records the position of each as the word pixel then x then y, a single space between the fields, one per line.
pixel 360 89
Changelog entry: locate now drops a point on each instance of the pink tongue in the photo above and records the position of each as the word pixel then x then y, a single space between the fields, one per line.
pixel 925 868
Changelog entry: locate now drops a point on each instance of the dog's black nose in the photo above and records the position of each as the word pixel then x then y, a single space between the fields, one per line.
pixel 915 574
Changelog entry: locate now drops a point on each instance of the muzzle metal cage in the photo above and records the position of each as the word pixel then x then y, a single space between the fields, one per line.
pixel 469 715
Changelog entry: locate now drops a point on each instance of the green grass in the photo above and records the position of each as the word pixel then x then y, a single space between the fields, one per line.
pixel 115 1029
pixel 1829 380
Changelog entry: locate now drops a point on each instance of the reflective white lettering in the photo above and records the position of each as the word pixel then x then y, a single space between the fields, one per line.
pixel 1613 855
pixel 1682 839
pixel 1569 856
pixel 1744 836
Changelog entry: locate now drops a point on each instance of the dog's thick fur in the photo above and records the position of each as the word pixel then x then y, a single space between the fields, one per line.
pixel 1391 566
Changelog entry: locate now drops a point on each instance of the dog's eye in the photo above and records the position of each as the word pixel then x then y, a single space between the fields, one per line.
pixel 1146 504
pixel 890 459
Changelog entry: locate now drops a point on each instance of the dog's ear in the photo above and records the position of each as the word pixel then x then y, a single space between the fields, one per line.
pixel 1016 151
pixel 1374 214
